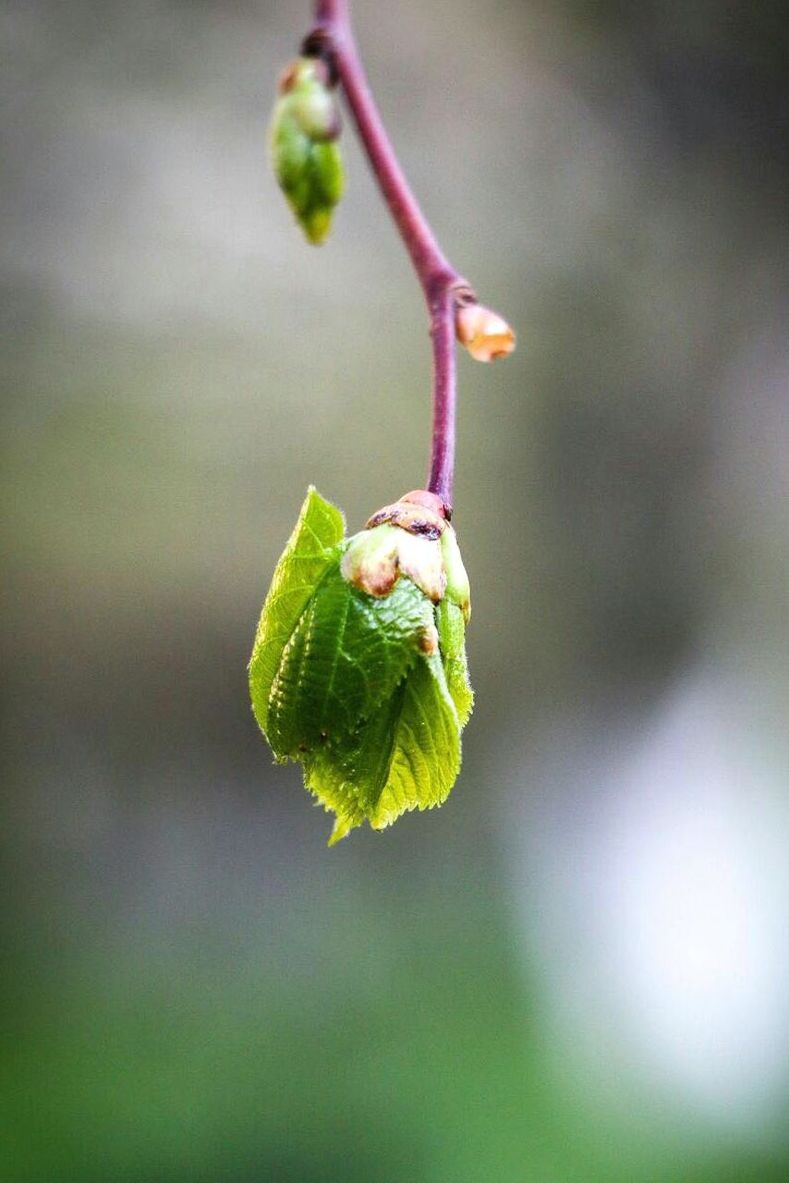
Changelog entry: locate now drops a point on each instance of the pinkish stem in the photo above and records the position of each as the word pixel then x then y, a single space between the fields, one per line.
pixel 333 37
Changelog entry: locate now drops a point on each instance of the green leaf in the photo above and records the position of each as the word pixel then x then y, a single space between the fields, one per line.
pixel 452 643
pixel 407 756
pixel 311 550
pixel 348 652
pixel 359 674
pixel 425 758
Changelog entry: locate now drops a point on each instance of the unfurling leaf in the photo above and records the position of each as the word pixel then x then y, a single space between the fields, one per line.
pixel 304 151
pixel 359 666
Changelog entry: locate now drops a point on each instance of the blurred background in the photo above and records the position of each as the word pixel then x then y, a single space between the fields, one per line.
pixel 578 970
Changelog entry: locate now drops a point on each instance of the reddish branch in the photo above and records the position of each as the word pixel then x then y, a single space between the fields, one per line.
pixel 443 287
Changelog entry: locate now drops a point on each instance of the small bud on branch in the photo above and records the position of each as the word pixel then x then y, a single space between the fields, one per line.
pixel 305 126
pixel 485 334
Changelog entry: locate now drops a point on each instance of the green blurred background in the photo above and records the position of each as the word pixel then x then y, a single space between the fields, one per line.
pixel 578 970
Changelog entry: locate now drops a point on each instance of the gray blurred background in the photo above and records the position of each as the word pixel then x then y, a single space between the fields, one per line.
pixel 578 970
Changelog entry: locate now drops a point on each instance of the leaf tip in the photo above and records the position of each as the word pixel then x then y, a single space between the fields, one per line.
pixel 341 829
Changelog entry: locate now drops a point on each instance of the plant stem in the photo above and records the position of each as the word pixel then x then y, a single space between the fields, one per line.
pixel 332 36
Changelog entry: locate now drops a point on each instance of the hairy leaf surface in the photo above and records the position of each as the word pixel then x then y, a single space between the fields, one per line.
pixel 311 550
pixel 348 652
pixel 407 756
pixel 452 641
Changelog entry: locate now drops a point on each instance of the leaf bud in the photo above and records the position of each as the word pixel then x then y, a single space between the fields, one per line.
pixel 305 155
pixel 485 334
pixel 411 537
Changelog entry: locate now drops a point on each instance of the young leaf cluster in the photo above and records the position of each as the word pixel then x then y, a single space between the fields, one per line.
pixel 369 692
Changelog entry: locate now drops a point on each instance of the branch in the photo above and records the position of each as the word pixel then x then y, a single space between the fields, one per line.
pixel 332 36
pixel 446 293
pixel 418 620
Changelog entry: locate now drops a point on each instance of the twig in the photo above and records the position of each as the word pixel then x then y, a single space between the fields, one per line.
pixel 444 289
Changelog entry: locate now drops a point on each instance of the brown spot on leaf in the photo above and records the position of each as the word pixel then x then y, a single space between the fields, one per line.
pixel 287 79
pixel 428 641
pixel 422 528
